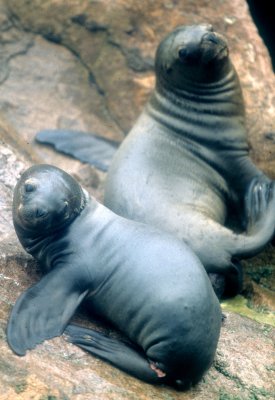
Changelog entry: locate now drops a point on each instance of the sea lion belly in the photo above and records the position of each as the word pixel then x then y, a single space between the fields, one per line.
pixel 167 177
pixel 132 275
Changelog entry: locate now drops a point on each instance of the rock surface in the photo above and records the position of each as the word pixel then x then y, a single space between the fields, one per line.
pixel 88 65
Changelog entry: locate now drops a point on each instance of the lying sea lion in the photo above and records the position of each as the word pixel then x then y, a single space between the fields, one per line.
pixel 146 282
pixel 184 167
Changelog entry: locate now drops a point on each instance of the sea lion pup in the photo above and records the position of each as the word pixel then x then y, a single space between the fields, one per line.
pixel 185 164
pixel 148 283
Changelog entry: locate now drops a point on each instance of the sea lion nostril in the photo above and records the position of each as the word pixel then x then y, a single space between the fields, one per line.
pixel 211 37
pixel 40 213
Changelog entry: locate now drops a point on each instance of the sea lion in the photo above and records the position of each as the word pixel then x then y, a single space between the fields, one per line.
pixel 184 167
pixel 148 283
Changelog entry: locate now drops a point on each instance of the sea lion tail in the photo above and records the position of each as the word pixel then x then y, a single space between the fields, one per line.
pixel 86 147
pixel 125 356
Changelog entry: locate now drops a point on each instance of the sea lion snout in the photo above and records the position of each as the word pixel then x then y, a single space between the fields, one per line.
pixel 202 47
pixel 32 208
pixel 38 212
pixel 33 212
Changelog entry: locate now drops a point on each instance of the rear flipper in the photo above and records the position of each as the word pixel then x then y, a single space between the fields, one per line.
pixel 260 227
pixel 260 217
pixel 229 285
pixel 122 355
pixel 87 148
pixel 232 247
pixel 257 199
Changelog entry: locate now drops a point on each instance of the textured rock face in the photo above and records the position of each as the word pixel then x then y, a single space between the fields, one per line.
pixel 114 42
pixel 88 65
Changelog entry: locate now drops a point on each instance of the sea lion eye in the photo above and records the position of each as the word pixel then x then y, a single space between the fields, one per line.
pixel 182 53
pixel 66 206
pixel 29 187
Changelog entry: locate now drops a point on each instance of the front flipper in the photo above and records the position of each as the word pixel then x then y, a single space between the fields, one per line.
pixel 44 310
pixel 89 148
pixel 122 355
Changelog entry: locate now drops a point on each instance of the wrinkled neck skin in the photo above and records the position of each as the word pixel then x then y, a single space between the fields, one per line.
pixel 40 246
pixel 202 112
pixel 47 247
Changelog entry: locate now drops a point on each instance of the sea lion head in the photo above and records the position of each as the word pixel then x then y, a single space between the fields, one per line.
pixel 45 200
pixel 192 54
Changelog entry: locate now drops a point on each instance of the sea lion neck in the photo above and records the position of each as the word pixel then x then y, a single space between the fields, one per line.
pixel 223 82
pixel 200 116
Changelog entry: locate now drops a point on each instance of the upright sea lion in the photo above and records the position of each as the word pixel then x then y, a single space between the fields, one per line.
pixel 148 283
pixel 185 164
